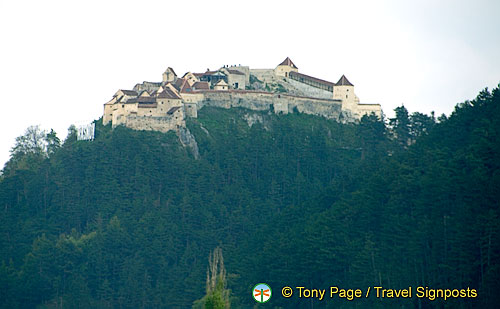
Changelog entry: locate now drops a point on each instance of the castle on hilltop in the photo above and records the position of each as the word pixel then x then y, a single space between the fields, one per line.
pixel 164 106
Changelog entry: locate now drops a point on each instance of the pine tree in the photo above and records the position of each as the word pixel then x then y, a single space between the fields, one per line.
pixel 401 126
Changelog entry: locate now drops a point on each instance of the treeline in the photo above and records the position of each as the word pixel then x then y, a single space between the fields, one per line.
pixel 129 219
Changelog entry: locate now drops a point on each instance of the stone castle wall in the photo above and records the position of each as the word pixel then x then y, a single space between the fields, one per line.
pixel 299 97
pixel 310 91
pixel 151 123
pixel 367 109
pixel 264 75
pixel 281 103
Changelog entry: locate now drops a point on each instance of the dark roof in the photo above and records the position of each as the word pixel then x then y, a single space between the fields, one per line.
pixel 173 110
pixel 182 85
pixel 168 94
pixel 288 62
pixel 235 72
pixel 198 74
pixel 129 92
pixel 151 83
pixel 130 100
pixel 201 86
pixel 146 99
pixel 312 78
pixel 148 105
pixel 141 100
pixel 343 81
pixel 178 83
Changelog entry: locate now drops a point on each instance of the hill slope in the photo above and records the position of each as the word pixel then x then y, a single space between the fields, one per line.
pixel 130 218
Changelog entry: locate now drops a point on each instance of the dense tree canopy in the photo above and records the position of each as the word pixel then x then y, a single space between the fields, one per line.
pixel 129 219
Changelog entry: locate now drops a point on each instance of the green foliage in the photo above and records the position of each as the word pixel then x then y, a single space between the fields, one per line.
pixel 254 79
pixel 275 87
pixel 53 142
pixel 217 296
pixel 401 126
pixel 128 219
pixel 407 128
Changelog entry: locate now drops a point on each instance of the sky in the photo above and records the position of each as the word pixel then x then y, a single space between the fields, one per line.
pixel 60 61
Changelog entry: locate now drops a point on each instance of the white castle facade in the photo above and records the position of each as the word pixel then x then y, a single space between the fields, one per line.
pixel 164 106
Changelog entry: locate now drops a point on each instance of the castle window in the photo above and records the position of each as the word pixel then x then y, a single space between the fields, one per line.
pixel 346 96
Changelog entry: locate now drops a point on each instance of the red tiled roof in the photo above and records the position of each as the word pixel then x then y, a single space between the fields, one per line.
pixel 288 62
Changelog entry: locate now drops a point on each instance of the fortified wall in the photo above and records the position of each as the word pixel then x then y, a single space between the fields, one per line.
pixel 310 90
pixel 263 74
pixel 155 123
pixel 164 106
pixel 279 103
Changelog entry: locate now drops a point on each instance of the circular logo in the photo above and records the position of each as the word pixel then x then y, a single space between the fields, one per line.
pixel 261 292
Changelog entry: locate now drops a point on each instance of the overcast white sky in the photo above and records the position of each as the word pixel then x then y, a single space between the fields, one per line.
pixel 60 61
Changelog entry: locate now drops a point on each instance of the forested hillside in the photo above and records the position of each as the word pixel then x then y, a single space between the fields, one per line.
pixel 128 220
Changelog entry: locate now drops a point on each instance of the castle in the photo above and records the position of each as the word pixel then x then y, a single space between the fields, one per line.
pixel 164 106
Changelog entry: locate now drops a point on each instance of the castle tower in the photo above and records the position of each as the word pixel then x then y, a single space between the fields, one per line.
pixel 169 76
pixel 285 67
pixel 344 91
